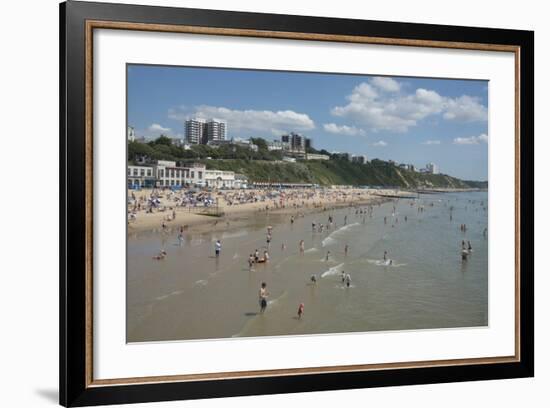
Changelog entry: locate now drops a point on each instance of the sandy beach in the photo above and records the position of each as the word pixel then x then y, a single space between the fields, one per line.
pixel 231 207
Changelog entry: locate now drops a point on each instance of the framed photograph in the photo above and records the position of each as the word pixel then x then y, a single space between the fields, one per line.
pixel 256 204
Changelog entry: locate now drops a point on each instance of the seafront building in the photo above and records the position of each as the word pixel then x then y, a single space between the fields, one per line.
pixel 141 176
pixel 167 173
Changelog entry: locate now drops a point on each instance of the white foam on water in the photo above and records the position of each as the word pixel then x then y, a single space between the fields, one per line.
pixel 200 283
pixel 307 251
pixel 328 241
pixel 345 287
pixel 235 256
pixel 175 293
pixel 331 239
pixel 381 262
pixel 335 270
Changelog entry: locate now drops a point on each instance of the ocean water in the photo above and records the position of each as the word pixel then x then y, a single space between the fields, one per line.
pixel 193 295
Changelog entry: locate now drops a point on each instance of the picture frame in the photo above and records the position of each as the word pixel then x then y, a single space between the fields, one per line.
pixel 78 20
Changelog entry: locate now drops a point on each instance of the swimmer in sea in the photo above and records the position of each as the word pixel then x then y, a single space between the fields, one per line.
pixel 348 280
pixel 161 255
pixel 250 262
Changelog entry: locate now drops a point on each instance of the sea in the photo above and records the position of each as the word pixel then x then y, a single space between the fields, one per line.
pixel 426 281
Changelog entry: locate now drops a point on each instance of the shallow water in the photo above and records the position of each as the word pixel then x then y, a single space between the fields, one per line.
pixel 191 294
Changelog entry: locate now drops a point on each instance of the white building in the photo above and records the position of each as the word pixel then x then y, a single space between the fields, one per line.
pixel 166 173
pixel 342 156
pixel 220 179
pixel 141 176
pixel 432 168
pixel 216 130
pixel 361 159
pixel 199 131
pixel 276 145
pixel 131 134
pixel 194 130
pixel 293 142
pixel 312 156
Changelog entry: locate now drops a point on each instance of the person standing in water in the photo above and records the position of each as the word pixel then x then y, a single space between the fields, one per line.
pixel 469 246
pixel 385 255
pixel 328 255
pixel 263 294
pixel 346 250
pixel 343 276
pixel 348 280
pixel 300 310
pixel 302 246
pixel 218 248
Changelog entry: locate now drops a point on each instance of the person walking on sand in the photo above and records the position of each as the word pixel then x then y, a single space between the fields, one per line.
pixel 218 246
pixel 300 310
pixel 263 294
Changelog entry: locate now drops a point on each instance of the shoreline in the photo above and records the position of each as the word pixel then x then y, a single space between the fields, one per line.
pixel 233 216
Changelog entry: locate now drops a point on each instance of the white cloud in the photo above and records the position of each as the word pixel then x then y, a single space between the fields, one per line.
pixel 472 140
pixel 276 122
pixel 380 143
pixel 343 129
pixel 465 108
pixel 431 142
pixel 391 110
pixel 155 127
pixel 386 84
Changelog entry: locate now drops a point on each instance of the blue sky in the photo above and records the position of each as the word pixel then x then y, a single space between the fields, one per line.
pixel 410 120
